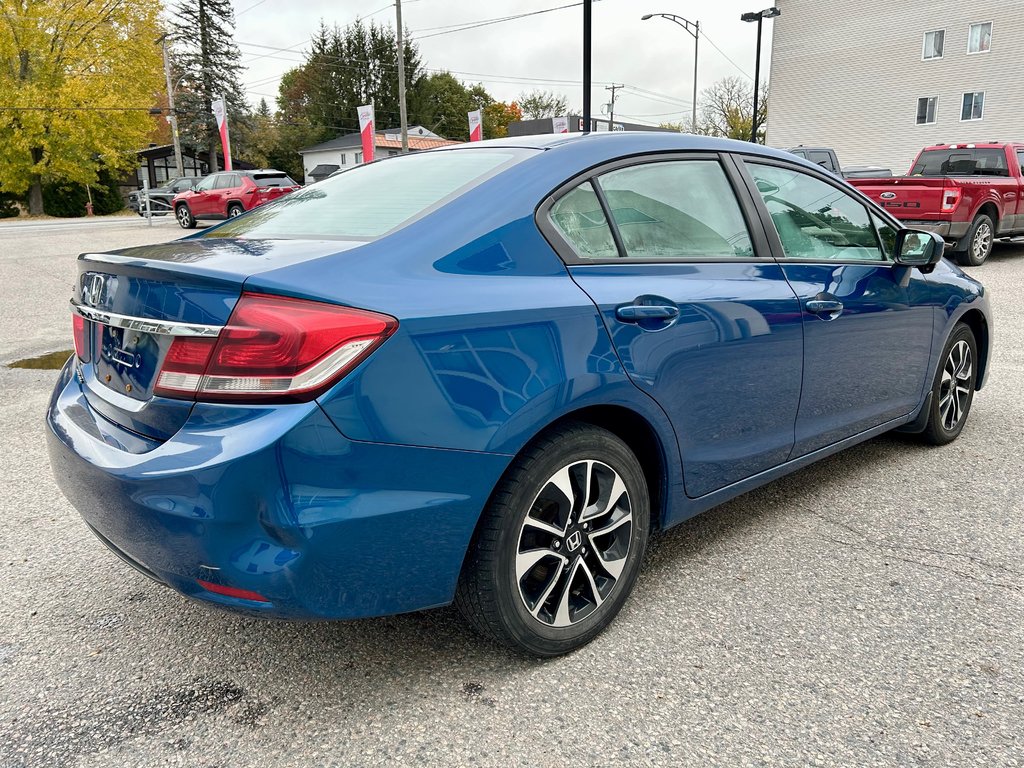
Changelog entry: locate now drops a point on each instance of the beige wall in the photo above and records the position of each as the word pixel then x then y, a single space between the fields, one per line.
pixel 848 75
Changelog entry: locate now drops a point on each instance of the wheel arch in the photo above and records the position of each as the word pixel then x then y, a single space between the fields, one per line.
pixel 990 209
pixel 975 320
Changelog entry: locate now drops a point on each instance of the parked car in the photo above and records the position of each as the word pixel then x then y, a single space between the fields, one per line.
pixel 826 158
pixel 160 197
pixel 970 194
pixel 229 194
pixel 486 373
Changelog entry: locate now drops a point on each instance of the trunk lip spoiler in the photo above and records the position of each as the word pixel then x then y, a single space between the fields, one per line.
pixel 145 325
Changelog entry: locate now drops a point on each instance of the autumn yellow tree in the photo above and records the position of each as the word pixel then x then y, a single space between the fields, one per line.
pixel 77 81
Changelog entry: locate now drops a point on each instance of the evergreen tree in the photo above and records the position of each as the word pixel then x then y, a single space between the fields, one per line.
pixel 207 65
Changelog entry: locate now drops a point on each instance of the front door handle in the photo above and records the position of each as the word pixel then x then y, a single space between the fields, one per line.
pixel 634 313
pixel 824 306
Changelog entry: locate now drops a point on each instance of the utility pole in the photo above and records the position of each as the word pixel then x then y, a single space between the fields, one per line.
pixel 403 117
pixel 588 13
pixel 611 107
pixel 172 116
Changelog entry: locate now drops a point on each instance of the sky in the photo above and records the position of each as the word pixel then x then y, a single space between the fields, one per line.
pixel 653 59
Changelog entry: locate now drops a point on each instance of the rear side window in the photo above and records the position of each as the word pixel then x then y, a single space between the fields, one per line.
pixel 228 181
pixel 374 199
pixel 961 162
pixel 676 209
pixel 581 220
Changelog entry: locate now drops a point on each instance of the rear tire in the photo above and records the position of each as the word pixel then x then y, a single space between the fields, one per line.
pixel 235 209
pixel 953 388
pixel 980 240
pixel 185 218
pixel 559 547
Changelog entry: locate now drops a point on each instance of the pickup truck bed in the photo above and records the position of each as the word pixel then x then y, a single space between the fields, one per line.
pixel 971 194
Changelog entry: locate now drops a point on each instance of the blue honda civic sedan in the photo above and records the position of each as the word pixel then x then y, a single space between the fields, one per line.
pixel 486 374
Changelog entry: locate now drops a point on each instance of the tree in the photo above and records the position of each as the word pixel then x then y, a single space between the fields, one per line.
pixel 540 104
pixel 78 80
pixel 442 103
pixel 206 63
pixel 726 109
pixel 497 116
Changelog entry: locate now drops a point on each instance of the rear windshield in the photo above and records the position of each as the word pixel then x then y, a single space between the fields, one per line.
pixel 961 162
pixel 371 200
pixel 273 180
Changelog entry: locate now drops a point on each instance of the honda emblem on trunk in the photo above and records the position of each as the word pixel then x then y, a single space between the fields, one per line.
pixel 97 288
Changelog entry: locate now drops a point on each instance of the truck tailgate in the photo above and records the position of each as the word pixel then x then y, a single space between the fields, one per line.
pixel 910 198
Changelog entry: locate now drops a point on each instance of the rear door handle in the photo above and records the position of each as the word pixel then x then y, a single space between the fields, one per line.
pixel 634 313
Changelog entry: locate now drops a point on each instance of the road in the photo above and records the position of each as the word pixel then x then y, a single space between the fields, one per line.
pixel 866 611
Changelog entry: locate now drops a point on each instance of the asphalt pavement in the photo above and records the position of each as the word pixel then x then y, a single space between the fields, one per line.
pixel 866 611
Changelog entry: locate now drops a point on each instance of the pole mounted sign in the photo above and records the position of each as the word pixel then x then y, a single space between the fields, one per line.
pixel 220 112
pixel 367 131
pixel 476 129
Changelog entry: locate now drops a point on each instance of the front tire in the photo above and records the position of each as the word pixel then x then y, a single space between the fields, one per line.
pixel 559 546
pixel 980 241
pixel 185 218
pixel 953 388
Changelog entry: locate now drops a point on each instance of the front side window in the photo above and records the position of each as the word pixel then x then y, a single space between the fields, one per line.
pixel 815 220
pixel 676 209
pixel 933 44
pixel 979 38
pixel 206 184
pixel 926 109
pixel 973 106
pixel 579 217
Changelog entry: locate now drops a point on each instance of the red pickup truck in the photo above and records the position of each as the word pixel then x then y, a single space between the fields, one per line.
pixel 971 194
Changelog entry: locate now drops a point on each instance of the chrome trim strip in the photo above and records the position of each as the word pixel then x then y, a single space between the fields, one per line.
pixel 163 327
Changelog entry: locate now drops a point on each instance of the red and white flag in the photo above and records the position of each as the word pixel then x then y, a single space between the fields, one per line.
pixel 367 130
pixel 476 127
pixel 221 113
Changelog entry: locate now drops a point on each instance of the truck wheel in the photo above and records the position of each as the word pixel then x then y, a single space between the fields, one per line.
pixel 979 242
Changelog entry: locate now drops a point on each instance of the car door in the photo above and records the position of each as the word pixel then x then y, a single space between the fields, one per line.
pixel 701 316
pixel 202 200
pixel 867 321
pixel 222 192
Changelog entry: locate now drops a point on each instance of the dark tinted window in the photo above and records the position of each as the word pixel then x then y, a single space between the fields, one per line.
pixel 961 162
pixel 373 199
pixel 824 159
pixel 273 180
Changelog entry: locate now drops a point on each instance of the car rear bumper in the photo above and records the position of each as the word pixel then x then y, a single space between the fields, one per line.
pixel 276 501
pixel 949 230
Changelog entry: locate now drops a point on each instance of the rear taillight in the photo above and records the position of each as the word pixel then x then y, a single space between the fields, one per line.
pixel 950 198
pixel 81 337
pixel 273 348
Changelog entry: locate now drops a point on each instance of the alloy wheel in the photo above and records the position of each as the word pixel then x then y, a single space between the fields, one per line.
pixel 573 543
pixel 955 385
pixel 184 216
pixel 982 242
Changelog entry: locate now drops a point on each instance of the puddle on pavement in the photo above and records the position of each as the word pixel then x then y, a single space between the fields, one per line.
pixel 51 361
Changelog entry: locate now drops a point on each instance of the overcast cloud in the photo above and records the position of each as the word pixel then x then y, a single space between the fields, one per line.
pixel 509 58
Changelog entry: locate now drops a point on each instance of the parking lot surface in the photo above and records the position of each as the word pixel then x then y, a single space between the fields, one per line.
pixel 866 611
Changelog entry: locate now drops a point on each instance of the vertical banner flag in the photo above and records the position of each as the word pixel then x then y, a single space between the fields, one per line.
pixel 560 124
pixel 367 131
pixel 221 113
pixel 476 130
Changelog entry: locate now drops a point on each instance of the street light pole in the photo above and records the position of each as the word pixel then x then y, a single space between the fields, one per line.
pixel 759 17
pixel 693 27
pixel 172 116
pixel 402 114
pixel 587 17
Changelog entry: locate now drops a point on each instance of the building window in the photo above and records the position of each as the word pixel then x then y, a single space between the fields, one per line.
pixel 973 107
pixel 926 109
pixel 979 39
pixel 344 158
pixel 359 157
pixel 933 44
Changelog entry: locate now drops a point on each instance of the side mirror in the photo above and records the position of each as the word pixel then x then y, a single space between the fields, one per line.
pixel 919 249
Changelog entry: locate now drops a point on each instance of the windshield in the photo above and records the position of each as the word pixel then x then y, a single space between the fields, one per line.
pixel 961 162
pixel 371 200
